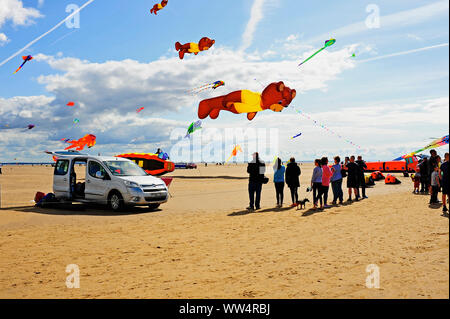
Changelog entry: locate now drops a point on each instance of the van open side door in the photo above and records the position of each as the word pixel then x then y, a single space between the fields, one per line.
pixel 61 179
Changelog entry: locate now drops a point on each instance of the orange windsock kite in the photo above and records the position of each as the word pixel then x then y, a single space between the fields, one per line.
pixel 235 152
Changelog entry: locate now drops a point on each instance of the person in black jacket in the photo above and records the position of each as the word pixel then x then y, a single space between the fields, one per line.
pixel 423 166
pixel 293 173
pixel 256 169
pixel 362 179
pixel 432 163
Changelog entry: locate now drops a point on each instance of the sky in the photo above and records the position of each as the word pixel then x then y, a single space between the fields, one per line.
pixel 114 57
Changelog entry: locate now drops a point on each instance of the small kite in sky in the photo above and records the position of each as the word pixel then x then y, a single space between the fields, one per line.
pixel 76 121
pixel 298 135
pixel 218 84
pixel 235 152
pixel 193 127
pixel 158 6
pixel 140 109
pixel 203 45
pixel 31 126
pixel 88 140
pixel 25 60
pixel 353 55
pixel 205 87
pixel 71 104
pixel 328 43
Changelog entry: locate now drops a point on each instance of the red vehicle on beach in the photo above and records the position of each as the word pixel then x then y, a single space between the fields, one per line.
pixel 151 163
pixel 407 165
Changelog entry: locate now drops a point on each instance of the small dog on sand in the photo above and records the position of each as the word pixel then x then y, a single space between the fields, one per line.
pixel 301 204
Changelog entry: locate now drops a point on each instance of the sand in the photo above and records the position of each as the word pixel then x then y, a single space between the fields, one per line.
pixel 203 244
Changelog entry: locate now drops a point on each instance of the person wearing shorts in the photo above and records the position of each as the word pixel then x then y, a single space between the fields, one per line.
pixel 352 178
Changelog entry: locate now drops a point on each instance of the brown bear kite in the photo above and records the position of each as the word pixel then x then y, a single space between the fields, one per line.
pixel 203 45
pixel 275 97
pixel 159 6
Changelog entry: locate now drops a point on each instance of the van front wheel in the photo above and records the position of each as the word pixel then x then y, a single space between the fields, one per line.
pixel 153 206
pixel 115 201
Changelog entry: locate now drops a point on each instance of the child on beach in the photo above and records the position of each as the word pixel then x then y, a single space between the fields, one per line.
pixel 435 185
pixel 416 178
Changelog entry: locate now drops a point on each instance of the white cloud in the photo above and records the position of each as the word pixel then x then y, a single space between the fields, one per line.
pixel 40 3
pixel 3 39
pixel 256 15
pixel 107 95
pixel 414 37
pixel 14 10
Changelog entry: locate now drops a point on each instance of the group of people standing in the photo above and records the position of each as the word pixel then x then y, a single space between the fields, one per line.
pixel 323 176
pixel 433 177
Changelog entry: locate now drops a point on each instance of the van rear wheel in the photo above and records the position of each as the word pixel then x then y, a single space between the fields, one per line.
pixel 115 202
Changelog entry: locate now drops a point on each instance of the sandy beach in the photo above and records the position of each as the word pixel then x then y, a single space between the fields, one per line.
pixel 203 244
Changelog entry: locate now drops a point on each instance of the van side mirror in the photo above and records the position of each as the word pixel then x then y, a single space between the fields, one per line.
pixel 99 175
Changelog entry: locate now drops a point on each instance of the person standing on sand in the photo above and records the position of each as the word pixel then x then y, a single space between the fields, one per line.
pixel 278 179
pixel 256 170
pixel 336 181
pixel 326 177
pixel 432 163
pixel 316 184
pixel 352 178
pixel 435 185
pixel 293 173
pixel 444 182
pixel 423 166
pixel 362 179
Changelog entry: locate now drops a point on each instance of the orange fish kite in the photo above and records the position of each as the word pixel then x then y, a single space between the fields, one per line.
pixel 88 140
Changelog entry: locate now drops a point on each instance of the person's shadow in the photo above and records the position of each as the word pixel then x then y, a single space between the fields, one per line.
pixel 312 211
pixel 261 211
pixel 435 206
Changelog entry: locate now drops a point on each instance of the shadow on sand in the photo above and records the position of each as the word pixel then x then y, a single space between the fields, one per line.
pixel 267 210
pixel 80 210
pixel 435 206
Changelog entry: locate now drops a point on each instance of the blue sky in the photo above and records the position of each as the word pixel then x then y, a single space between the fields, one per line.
pixel 122 57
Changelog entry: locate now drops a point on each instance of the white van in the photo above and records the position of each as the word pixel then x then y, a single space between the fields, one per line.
pixel 113 181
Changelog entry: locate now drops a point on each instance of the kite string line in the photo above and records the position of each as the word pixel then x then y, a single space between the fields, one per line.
pixel 46 33
pixel 201 88
pixel 326 128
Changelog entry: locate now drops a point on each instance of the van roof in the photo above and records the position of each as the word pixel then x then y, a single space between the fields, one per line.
pixel 90 157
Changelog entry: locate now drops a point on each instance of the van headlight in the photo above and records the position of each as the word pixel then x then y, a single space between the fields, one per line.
pixel 132 184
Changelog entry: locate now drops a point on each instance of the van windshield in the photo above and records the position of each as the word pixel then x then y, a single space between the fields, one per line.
pixel 124 168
